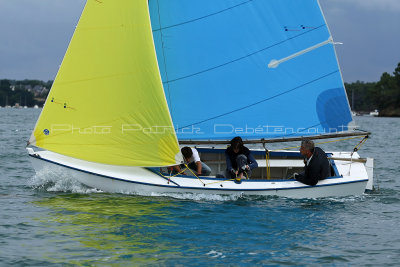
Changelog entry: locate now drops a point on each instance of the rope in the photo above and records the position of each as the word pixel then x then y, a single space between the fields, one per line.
pixel 356 148
pixel 171 176
pixel 267 162
pixel 221 181
pixel 268 165
pixel 187 167
pixel 204 184
pixel 227 180
pixel 360 144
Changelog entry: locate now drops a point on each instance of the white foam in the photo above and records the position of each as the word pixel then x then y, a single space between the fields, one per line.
pixel 57 181
pixel 215 254
pixel 199 197
pixel 347 198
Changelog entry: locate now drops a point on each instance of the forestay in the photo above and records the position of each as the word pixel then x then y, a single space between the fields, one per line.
pixel 219 67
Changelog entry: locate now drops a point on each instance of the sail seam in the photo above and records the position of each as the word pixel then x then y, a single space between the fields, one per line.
pixel 246 56
pixel 200 18
pixel 261 101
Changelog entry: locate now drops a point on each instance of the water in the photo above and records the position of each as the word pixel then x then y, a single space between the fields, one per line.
pixel 47 221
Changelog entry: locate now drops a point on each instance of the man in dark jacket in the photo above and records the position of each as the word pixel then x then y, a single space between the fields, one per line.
pixel 316 164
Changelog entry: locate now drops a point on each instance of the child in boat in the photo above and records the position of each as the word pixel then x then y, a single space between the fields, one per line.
pixel 239 160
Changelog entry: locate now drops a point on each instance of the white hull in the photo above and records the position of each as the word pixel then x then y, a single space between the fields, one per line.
pixel 137 180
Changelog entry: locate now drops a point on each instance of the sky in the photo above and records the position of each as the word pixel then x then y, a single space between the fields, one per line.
pixel 34 35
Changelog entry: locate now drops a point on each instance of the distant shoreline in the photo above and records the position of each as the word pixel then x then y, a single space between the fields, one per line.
pixel 364 98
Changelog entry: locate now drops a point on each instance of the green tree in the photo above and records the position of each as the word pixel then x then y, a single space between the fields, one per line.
pixel 396 74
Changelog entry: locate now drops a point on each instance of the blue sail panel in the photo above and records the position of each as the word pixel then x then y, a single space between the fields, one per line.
pixel 213 58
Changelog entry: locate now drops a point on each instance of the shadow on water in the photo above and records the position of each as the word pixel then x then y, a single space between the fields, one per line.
pixel 116 229
pixel 86 229
pixel 89 229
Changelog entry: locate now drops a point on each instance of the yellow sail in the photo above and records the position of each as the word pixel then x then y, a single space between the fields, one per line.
pixel 107 102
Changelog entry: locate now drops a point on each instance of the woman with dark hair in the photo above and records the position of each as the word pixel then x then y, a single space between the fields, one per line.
pixel 239 160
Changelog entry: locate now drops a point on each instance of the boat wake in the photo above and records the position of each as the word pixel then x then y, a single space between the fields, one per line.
pixel 57 181
pixel 199 197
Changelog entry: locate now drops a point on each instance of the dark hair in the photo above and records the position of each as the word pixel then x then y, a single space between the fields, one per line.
pixel 237 143
pixel 187 152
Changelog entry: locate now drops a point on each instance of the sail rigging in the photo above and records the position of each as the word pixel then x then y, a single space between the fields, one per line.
pixel 107 104
pixel 214 58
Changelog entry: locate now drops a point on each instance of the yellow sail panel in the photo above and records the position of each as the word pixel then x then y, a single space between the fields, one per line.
pixel 107 102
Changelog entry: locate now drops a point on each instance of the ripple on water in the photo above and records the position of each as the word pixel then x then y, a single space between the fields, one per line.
pixel 70 224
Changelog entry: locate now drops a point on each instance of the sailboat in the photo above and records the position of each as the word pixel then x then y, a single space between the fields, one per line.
pixel 143 78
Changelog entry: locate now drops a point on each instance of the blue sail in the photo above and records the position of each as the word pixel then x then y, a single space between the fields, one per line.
pixel 216 62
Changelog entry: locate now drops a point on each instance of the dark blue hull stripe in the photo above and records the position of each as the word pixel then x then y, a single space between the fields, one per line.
pixel 198 188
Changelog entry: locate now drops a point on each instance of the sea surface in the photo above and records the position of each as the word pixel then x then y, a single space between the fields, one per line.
pixel 53 221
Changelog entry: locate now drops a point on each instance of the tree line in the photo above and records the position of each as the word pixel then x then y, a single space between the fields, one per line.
pixel 383 95
pixel 23 93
